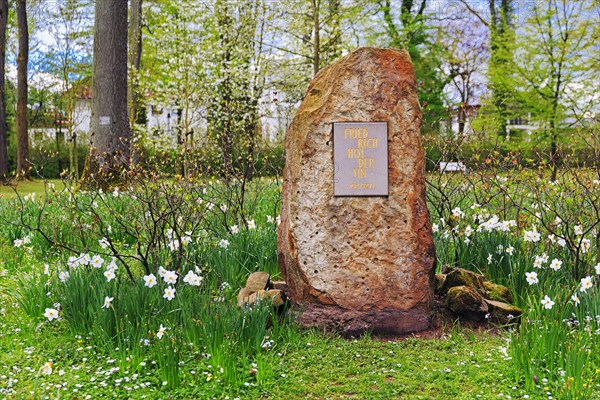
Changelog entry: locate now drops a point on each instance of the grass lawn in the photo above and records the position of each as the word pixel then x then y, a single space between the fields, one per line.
pixel 461 365
pixel 25 187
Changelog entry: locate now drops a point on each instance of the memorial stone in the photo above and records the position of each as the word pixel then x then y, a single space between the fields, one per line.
pixel 355 243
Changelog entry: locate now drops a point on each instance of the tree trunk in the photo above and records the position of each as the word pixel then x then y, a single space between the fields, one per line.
pixel 3 126
pixel 22 61
pixel 135 56
pixel 110 137
pixel 316 5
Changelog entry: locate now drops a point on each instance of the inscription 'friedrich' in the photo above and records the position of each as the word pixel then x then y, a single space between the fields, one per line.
pixel 360 156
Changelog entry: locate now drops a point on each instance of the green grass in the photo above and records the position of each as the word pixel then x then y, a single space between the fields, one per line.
pixel 26 187
pixel 462 365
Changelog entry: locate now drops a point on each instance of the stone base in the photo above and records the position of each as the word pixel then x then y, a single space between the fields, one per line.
pixel 353 323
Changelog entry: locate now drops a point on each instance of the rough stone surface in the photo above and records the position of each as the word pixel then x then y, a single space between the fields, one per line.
pixel 254 297
pixel 463 277
pixel 497 292
pixel 467 302
pixel 277 296
pixel 257 281
pixel 503 312
pixel 280 285
pixel 358 263
pixel 243 295
pixel 439 282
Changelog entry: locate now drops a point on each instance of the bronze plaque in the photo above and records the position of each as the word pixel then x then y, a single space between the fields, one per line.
pixel 360 158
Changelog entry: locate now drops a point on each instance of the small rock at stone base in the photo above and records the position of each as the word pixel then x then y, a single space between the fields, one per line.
pixel 254 297
pixel 439 282
pixel 463 277
pixel 243 296
pixel 257 281
pixel 466 302
pixel 503 312
pixel 497 292
pixel 277 296
pixel 279 285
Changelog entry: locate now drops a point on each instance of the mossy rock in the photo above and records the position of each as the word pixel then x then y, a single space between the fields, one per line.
pixel 463 277
pixel 503 313
pixel 439 282
pixel 497 292
pixel 466 302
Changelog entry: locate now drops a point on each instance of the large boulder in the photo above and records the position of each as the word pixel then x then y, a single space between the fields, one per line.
pixel 358 263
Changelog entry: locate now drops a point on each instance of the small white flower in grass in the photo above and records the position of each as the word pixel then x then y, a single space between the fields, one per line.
pixel 18 242
pixel 552 238
pixel 586 283
pixel 556 264
pixel 169 293
pixel 115 192
pixel 150 280
pixel 107 302
pixel 224 243
pixel 185 240
pixel 458 213
pixel 531 236
pixel 557 221
pixel 97 261
pixel 84 259
pixel 46 269
pixel 561 242
pixel 435 228
pixel 63 276
pixel 174 245
pixel 51 314
pixel 278 220
pixel 500 249
pixel 104 243
pixel 223 207
pixel 46 369
pixel 161 272
pixel 510 250
pixel 575 299
pixel 505 226
pixel 597 268
pixel 192 279
pixel 112 265
pixel 468 231
pixel 170 277
pixel 73 262
pixel 489 258
pixel 578 229
pixel 586 245
pixel 251 224
pixel 235 229
pixel 110 275
pixel 547 302
pixel 532 277
pixel 270 219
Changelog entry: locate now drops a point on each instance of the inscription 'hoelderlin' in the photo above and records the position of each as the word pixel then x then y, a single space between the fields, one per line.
pixel 360 159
